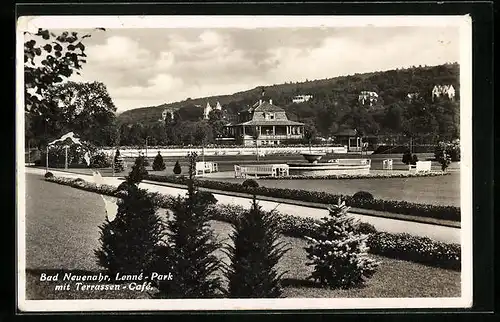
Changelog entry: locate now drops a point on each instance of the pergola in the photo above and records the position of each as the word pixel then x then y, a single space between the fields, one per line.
pixel 66 140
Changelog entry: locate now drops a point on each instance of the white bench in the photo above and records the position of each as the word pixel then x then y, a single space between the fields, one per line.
pixel 387 164
pixel 351 161
pixel 420 166
pixel 206 167
pixel 273 170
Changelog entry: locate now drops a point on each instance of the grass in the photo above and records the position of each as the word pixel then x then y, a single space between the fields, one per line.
pixel 62 233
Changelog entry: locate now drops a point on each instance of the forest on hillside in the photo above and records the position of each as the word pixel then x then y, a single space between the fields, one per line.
pixel 333 107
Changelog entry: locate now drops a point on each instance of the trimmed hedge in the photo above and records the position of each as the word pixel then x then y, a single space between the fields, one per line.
pixel 399 246
pixel 379 175
pixel 399 207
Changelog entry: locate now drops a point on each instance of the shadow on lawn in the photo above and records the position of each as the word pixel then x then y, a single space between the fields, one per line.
pixel 302 283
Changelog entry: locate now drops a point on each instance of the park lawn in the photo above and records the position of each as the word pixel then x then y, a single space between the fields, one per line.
pixel 62 233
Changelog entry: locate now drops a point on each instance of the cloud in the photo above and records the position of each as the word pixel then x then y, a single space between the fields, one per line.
pixel 155 66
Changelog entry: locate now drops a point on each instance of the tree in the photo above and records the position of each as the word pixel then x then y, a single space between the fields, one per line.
pixel 338 252
pixel 254 256
pixel 177 168
pixel 49 59
pixel 86 109
pixel 138 171
pixel 310 133
pixel 158 163
pixel 119 165
pixel 192 244
pixel 217 123
pixel 129 243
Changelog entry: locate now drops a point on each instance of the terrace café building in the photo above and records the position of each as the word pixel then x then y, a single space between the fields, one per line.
pixel 265 123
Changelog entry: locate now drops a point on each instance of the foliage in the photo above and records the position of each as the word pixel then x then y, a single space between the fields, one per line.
pixel 192 245
pixel 406 158
pixel 254 256
pixel 250 183
pixel 158 163
pixel 452 150
pixel 414 159
pixel 177 168
pixel 335 101
pixel 128 243
pixel 100 160
pixel 138 172
pixel 399 246
pixel 444 160
pixel 339 252
pixel 392 206
pixel 49 174
pixel 416 249
pixel 119 164
pixel 363 195
pixel 49 59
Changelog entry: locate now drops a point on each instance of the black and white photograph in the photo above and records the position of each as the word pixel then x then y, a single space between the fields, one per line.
pixel 243 162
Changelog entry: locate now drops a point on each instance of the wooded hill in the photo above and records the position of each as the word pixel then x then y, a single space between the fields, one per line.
pixel 335 102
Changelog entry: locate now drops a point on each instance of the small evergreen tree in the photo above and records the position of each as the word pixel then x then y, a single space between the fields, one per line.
pixel 254 256
pixel 444 160
pixel 406 158
pixel 338 252
pixel 118 162
pixel 192 245
pixel 177 168
pixel 138 171
pixel 129 242
pixel 158 164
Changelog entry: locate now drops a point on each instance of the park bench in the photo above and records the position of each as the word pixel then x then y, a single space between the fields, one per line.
pixel 206 167
pixel 273 170
pixel 420 166
pixel 387 164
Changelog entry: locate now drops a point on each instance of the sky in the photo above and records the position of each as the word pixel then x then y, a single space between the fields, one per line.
pixel 148 67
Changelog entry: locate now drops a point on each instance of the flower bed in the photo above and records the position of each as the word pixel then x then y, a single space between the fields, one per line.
pixel 399 207
pixel 400 246
pixel 379 175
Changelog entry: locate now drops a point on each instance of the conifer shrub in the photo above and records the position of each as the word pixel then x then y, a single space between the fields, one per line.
pixel 363 195
pixel 338 252
pixel 158 163
pixel 177 168
pixel 414 159
pixel 138 172
pixel 254 255
pixel 250 183
pixel 119 164
pixel 192 245
pixel 406 158
pixel 128 243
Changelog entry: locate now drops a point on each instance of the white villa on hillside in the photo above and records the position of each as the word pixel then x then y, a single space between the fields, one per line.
pixel 208 109
pixel 165 113
pixel 412 96
pixel 368 97
pixel 301 98
pixel 443 90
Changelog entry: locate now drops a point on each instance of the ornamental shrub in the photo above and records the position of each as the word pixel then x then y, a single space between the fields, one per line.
pixel 339 253
pixel 254 255
pixel 444 160
pixel 128 244
pixel 138 172
pixel 363 195
pixel 414 159
pixel 177 168
pixel 158 163
pixel 406 158
pixel 250 183
pixel 48 175
pixel 119 164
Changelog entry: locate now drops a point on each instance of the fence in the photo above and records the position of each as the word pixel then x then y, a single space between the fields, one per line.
pixel 273 170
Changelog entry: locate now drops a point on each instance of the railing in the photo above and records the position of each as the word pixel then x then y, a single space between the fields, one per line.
pixel 204 167
pixel 387 164
pixel 274 170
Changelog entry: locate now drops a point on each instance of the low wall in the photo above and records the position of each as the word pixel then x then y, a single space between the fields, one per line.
pixel 229 151
pixel 331 169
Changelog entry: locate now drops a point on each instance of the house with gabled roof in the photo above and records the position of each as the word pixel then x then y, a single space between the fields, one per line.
pixel 265 123
pixel 443 91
